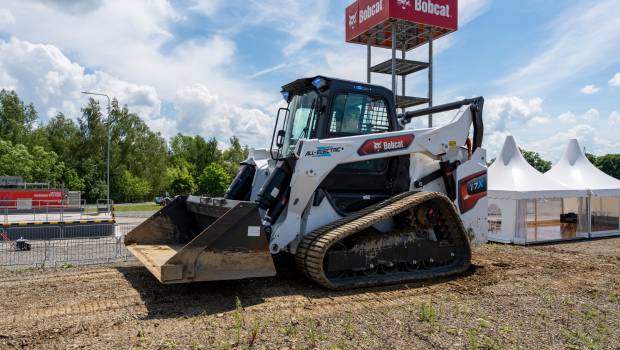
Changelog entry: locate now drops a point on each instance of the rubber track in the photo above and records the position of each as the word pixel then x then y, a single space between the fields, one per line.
pixel 314 246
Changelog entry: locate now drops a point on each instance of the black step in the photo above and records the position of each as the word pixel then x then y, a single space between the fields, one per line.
pixel 409 101
pixel 403 67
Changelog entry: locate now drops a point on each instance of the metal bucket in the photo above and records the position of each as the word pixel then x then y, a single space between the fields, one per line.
pixel 203 239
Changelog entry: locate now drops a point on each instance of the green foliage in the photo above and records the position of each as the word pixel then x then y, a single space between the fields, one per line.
pixel 609 164
pixel 73 154
pixel 535 160
pixel 179 181
pixel 234 155
pixel 73 181
pixel 133 188
pixel 34 165
pixel 214 180
pixel 16 118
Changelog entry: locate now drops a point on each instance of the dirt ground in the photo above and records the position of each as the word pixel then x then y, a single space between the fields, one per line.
pixel 563 296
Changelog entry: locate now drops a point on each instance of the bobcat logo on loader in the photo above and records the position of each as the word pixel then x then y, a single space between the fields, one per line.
pixel 404 4
pixel 352 20
pixel 378 146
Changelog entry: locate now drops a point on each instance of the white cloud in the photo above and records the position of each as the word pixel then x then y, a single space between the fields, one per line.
pixel 615 81
pixel 552 147
pixel 6 19
pixel 201 111
pixel 206 7
pixel 567 118
pixel 614 118
pixel 589 89
pixel 42 74
pixel 470 9
pixel 591 115
pixel 560 58
pixel 500 111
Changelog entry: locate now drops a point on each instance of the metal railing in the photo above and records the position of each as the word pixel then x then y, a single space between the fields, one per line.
pixel 53 246
pixel 14 211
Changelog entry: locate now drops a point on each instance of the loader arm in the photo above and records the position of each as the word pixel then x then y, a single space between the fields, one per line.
pixel 317 158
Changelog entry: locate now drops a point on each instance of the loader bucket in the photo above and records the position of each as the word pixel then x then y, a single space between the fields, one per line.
pixel 203 239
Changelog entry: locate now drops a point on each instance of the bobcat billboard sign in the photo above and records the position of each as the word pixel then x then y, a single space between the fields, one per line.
pixel 363 15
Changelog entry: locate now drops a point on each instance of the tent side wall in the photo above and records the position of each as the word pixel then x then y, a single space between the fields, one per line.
pixel 604 216
pixel 502 224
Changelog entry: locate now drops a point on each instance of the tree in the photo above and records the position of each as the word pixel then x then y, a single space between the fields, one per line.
pixel 535 160
pixel 16 118
pixel 15 160
pixel 609 164
pixel 194 150
pixel 234 155
pixel 180 181
pixel 72 181
pixel 62 136
pixel 133 188
pixel 214 180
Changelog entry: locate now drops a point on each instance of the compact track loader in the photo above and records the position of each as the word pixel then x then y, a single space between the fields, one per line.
pixel 356 197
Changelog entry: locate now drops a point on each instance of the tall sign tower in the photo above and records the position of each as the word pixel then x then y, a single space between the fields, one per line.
pixel 401 25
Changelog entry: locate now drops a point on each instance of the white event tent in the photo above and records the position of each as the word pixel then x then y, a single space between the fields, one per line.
pixel 527 207
pixel 575 171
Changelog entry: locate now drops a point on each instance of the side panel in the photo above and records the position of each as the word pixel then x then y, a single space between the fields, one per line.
pixel 471 198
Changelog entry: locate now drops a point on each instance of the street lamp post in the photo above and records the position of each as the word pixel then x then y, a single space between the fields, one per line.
pixel 108 151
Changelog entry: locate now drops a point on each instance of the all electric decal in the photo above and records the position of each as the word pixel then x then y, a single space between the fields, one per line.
pixel 385 144
pixel 324 151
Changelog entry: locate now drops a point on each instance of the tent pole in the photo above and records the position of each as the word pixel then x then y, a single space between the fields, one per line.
pixel 535 220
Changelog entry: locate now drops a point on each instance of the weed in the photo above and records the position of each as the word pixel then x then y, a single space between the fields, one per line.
pixel 578 340
pixel 238 318
pixel 169 344
pixel 427 313
pixel 339 346
pixel 254 333
pixel 484 323
pixel 290 330
pixel 67 265
pixel 591 313
pixel 477 342
pixel 472 338
pixel 312 333
pixel 225 345
pixel 348 326
pixel 507 329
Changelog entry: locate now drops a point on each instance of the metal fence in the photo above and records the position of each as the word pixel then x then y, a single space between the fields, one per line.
pixel 52 246
pixel 13 211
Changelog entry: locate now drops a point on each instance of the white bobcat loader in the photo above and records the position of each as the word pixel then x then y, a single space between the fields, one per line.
pixel 356 198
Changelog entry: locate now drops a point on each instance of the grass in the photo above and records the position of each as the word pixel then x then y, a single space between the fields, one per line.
pixel 427 313
pixel 137 207
pixel 238 318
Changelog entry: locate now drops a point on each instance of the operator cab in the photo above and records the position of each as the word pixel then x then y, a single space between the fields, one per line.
pixel 325 108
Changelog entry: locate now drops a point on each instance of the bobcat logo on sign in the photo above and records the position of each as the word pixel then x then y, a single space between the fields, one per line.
pixel 378 146
pixel 352 20
pixel 404 4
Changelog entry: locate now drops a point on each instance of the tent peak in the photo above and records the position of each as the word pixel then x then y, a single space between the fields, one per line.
pixel 573 152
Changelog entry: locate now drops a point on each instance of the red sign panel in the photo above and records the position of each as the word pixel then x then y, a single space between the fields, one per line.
pixel 40 198
pixel 362 15
pixel 385 144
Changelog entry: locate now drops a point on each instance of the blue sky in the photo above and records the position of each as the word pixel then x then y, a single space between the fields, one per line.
pixel 215 67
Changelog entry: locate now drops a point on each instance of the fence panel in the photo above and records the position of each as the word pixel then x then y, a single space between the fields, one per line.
pixel 57 245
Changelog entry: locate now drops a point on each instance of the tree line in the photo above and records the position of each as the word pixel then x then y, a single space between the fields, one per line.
pixel 72 154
